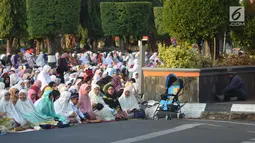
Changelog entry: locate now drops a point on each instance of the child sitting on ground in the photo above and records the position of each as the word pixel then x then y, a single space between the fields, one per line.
pixel 102 112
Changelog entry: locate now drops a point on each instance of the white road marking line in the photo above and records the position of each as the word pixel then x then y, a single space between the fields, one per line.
pixel 249 141
pixel 159 133
pixel 213 125
pixel 230 122
pixel 251 132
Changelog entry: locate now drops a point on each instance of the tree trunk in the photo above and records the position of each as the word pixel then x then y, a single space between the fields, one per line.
pixel 109 42
pixel 214 48
pixel 219 43
pixel 15 43
pixel 152 43
pixel 37 49
pixel 9 45
pixel 42 46
pixel 51 51
pixel 207 50
pixel 121 43
pixel 58 41
pixel 31 43
pixel 62 42
pixel 94 44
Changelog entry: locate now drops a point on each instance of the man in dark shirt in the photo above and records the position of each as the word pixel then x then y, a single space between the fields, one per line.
pixel 235 88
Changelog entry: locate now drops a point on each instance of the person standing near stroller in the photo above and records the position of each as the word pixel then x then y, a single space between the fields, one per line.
pixel 235 88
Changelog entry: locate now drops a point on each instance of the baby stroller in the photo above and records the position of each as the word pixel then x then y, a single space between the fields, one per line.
pixel 169 102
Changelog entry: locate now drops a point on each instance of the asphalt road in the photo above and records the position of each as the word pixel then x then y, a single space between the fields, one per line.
pixel 143 131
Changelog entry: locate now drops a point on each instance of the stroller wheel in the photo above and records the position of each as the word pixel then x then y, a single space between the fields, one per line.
pixel 182 115
pixel 168 117
pixel 155 117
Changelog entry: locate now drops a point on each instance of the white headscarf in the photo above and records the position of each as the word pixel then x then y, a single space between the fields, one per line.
pixel 9 109
pixel 62 105
pixel 153 56
pixel 134 76
pixel 44 76
pixel 2 85
pixel 94 99
pixel 130 60
pixel 130 102
pixel 84 59
pixel 108 60
pixel 40 60
pixel 27 110
pixel 136 66
pixel 62 87
pixel 96 77
pixel 18 85
pixel 13 79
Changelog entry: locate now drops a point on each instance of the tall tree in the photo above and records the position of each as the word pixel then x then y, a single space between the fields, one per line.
pixel 197 19
pixel 12 21
pixel 51 18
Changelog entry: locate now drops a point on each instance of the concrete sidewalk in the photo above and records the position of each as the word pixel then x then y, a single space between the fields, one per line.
pixel 243 110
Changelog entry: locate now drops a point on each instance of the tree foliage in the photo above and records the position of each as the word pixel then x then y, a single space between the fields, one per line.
pixel 194 19
pixel 12 18
pixel 155 3
pixel 244 35
pixel 158 19
pixel 125 18
pixel 52 17
pixel 90 18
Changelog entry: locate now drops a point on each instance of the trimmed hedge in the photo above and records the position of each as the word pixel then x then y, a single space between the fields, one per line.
pixel 52 17
pixel 125 18
pixel 158 19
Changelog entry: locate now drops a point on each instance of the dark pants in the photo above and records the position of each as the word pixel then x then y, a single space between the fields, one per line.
pixel 61 76
pixel 234 93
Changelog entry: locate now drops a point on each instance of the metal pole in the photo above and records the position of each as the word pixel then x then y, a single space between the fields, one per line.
pixel 224 43
pixel 141 63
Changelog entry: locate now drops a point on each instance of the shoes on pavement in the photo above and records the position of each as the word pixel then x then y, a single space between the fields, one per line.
pixel 221 97
pixel 233 99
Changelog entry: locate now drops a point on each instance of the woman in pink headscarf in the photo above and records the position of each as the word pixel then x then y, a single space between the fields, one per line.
pixel 84 102
pixel 117 85
pixel 34 92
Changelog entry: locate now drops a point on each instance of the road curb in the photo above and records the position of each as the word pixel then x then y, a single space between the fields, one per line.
pixel 227 116
pixel 219 111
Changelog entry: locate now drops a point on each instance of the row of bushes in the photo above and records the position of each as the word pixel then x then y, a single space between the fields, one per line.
pixel 180 57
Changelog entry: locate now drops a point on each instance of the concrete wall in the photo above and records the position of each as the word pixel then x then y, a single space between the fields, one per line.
pixel 202 85
pixel 154 86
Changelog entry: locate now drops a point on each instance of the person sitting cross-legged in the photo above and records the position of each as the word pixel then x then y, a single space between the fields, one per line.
pixel 235 88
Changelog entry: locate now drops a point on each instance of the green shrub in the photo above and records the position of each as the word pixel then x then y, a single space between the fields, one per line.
pixel 125 18
pixel 179 57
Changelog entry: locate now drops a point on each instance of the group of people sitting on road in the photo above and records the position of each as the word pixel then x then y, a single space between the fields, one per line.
pixel 83 88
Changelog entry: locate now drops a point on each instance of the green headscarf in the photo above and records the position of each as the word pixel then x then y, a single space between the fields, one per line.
pixel 46 107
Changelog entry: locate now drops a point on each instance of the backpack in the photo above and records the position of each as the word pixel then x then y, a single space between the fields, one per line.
pixel 139 114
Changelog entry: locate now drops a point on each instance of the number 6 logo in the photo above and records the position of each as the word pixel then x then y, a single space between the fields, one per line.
pixel 236 14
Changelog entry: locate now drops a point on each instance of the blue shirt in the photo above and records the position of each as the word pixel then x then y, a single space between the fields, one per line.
pixel 77 111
